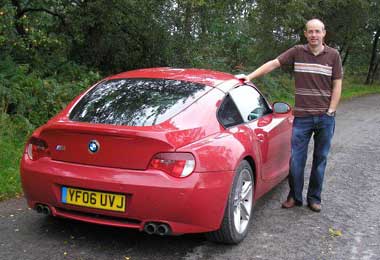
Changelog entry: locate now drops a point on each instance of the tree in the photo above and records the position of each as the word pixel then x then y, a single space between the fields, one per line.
pixel 374 30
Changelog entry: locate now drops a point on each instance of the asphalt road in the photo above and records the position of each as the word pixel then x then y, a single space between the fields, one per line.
pixel 347 228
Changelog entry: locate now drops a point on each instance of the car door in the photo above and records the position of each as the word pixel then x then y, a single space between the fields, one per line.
pixel 271 131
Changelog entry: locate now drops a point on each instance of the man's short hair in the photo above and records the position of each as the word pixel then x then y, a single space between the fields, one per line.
pixel 315 20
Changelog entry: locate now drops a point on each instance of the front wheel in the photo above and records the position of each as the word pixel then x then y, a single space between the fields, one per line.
pixel 238 212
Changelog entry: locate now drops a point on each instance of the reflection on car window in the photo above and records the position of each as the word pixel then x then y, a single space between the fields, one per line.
pixel 136 102
pixel 228 113
pixel 250 102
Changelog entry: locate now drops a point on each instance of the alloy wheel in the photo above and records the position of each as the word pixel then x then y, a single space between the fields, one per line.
pixel 243 201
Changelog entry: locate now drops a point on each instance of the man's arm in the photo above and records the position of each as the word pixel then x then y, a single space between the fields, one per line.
pixel 335 96
pixel 264 69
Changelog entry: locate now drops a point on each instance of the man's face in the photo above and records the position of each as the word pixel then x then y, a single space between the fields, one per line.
pixel 315 33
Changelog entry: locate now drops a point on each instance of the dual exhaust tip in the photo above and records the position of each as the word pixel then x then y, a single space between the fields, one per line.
pixel 161 229
pixel 43 209
pixel 150 228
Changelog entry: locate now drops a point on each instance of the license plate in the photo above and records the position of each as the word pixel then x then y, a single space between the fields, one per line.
pixel 93 199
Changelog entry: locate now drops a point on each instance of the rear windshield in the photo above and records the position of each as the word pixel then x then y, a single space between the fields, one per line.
pixel 136 102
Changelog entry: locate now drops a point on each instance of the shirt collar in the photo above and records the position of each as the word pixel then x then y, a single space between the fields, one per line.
pixel 325 49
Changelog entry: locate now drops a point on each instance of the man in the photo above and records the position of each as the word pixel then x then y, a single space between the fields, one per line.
pixel 318 85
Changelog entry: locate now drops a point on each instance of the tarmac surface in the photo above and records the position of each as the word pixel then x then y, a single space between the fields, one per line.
pixel 348 226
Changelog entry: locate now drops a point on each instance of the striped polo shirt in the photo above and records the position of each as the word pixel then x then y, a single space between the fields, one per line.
pixel 313 77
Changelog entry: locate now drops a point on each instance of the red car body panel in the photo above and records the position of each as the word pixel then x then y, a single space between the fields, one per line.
pixel 192 204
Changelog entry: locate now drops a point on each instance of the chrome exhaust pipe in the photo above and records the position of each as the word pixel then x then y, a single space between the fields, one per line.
pixel 150 228
pixel 46 210
pixel 163 229
pixel 39 208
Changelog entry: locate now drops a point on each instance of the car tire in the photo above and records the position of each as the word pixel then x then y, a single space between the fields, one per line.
pixel 238 212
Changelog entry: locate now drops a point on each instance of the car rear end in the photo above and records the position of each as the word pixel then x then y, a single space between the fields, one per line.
pixel 115 158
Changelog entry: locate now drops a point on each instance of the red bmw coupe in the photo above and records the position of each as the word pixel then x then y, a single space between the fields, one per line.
pixel 163 150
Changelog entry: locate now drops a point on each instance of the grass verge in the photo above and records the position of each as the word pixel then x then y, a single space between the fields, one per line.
pixel 10 152
pixel 13 133
pixel 356 90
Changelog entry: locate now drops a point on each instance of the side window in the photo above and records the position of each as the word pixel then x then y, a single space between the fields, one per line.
pixel 228 114
pixel 250 102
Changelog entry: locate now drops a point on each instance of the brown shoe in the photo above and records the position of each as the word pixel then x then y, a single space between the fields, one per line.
pixel 315 207
pixel 290 203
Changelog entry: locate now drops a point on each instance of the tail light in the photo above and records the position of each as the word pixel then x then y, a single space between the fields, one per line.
pixel 179 165
pixel 37 148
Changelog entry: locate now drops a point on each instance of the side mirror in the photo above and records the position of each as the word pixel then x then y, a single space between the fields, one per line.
pixel 281 108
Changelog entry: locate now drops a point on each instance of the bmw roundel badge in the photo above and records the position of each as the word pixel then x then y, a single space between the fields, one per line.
pixel 93 146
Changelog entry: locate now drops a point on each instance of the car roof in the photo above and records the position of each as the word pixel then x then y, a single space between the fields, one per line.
pixel 202 76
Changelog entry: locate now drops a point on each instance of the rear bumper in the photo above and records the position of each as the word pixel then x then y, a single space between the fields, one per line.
pixel 189 205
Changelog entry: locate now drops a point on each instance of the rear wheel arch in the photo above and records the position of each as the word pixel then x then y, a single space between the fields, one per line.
pixel 252 163
pixel 231 231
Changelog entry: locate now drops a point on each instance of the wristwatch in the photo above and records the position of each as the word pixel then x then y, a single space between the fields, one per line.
pixel 330 113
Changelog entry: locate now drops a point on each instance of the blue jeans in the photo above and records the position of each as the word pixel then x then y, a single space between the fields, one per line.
pixel 322 128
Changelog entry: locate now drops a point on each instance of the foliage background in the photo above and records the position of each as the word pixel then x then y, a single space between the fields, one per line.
pixel 51 50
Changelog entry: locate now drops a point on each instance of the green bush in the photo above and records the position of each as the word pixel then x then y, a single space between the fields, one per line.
pixel 28 98
pixel 25 93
